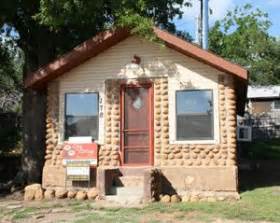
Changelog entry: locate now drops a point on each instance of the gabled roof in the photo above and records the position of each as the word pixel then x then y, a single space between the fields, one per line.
pixel 107 39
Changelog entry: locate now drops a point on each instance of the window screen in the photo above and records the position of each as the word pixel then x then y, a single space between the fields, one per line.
pixel 194 115
pixel 81 115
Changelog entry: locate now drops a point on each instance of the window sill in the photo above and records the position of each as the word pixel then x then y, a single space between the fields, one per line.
pixel 212 141
pixel 97 142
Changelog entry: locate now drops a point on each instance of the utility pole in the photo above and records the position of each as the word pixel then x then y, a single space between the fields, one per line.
pixel 205 24
pixel 202 25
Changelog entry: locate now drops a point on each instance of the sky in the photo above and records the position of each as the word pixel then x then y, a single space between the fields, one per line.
pixel 220 8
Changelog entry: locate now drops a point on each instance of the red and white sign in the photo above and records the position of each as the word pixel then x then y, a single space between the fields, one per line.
pixel 80 152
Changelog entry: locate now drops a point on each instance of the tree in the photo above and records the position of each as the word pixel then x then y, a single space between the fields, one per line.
pixel 11 58
pixel 242 37
pixel 49 28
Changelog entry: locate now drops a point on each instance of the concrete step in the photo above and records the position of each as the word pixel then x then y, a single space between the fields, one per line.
pixel 133 171
pixel 125 200
pixel 130 181
pixel 127 191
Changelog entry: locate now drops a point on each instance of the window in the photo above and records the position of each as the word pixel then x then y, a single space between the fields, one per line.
pixel 194 115
pixel 244 133
pixel 276 104
pixel 81 115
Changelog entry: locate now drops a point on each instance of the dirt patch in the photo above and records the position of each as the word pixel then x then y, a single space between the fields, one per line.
pixel 49 217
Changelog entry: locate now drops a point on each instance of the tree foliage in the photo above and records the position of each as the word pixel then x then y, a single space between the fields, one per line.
pixel 63 24
pixel 11 58
pixel 242 37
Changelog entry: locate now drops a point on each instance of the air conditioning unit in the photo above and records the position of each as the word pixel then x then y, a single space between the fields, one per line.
pixel 244 133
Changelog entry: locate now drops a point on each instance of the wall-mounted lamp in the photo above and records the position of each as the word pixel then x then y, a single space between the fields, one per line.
pixel 136 60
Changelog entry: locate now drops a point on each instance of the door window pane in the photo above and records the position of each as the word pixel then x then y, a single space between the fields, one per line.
pixel 81 115
pixel 136 108
pixel 194 114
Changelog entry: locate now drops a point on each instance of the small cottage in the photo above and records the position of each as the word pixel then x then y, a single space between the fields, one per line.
pixel 264 100
pixel 262 119
pixel 163 116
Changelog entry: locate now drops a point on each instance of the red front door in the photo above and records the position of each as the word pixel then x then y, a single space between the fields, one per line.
pixel 136 128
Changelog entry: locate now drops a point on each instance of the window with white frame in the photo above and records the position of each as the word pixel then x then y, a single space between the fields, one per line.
pixel 81 115
pixel 194 115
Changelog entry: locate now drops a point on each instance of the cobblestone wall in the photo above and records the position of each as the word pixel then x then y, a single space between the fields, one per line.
pixel 223 154
pixel 53 150
pixel 109 153
pixel 165 154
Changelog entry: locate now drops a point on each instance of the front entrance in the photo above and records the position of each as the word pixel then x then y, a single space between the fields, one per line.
pixel 137 124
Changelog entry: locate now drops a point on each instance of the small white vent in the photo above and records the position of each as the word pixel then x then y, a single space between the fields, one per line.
pixel 244 133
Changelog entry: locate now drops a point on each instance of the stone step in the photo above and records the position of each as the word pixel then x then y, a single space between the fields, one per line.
pixel 127 191
pixel 130 181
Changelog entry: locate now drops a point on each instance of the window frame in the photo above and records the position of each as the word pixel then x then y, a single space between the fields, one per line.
pixel 273 105
pixel 65 110
pixel 204 140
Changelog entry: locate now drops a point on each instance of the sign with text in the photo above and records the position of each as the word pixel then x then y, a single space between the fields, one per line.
pixel 73 152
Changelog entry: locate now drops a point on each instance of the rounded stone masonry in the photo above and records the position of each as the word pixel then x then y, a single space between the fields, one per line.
pixel 170 198
pixel 33 192
pixel 81 195
pixel 175 198
pixel 61 193
pixel 71 194
pixel 52 125
pixel 39 194
pixel 167 154
pixel 165 198
pixel 92 194
pixel 36 192
pixel 49 194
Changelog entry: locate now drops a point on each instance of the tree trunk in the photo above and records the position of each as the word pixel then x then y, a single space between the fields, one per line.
pixel 34 109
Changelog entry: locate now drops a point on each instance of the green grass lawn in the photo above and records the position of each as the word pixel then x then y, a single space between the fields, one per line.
pixel 257 205
pixel 261 204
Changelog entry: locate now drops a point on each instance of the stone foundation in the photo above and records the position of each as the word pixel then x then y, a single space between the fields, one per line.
pixel 223 179
pixel 194 183
pixel 37 192
pixel 209 196
pixel 53 176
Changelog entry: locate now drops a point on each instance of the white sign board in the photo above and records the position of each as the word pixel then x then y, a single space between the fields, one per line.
pixel 90 161
pixel 80 139
pixel 78 172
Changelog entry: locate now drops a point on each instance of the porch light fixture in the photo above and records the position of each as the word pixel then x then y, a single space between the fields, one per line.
pixel 136 59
